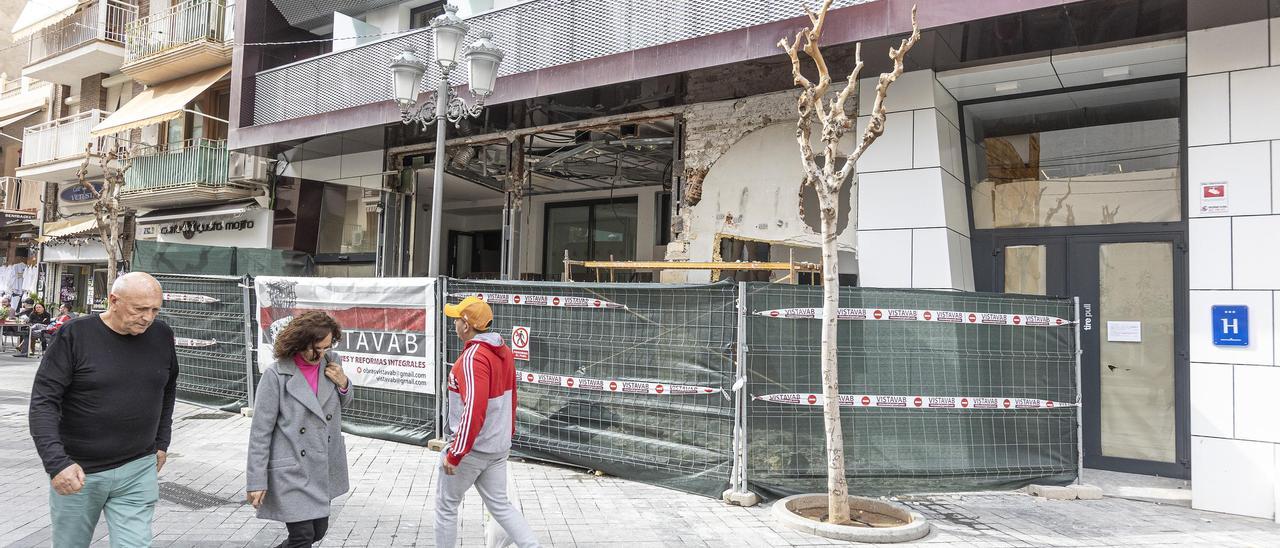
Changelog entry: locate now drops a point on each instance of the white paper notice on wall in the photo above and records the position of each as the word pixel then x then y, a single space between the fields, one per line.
pixel 1213 197
pixel 1124 331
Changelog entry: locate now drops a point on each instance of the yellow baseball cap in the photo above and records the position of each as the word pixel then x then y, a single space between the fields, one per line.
pixel 472 310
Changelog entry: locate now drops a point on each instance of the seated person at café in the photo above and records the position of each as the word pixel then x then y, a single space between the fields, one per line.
pixel 39 320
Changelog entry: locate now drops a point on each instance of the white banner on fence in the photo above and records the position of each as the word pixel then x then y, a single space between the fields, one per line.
pixel 906 315
pixel 917 402
pixel 541 300
pixel 610 385
pixel 388 325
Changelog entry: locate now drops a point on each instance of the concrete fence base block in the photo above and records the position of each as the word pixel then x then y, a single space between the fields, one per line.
pixel 1051 492
pixel 1087 492
pixel 246 411
pixel 787 513
pixel 436 445
pixel 741 498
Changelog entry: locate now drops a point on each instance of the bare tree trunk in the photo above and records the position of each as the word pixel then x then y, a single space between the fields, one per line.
pixel 827 179
pixel 837 486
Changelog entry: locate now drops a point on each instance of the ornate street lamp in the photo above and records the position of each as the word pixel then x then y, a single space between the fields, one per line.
pixel 448 32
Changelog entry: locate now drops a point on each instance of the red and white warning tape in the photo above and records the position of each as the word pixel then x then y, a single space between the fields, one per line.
pixel 608 385
pixel 193 343
pixel 190 298
pixel 917 402
pixel 943 316
pixel 541 300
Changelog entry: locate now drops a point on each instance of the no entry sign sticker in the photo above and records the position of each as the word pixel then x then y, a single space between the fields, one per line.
pixel 520 342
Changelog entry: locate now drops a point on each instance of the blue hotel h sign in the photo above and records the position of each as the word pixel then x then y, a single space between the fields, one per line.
pixel 1230 325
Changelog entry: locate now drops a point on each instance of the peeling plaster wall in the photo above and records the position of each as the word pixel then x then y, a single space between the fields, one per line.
pixel 743 173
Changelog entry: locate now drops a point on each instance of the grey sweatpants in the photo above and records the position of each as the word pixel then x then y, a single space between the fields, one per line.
pixel 488 472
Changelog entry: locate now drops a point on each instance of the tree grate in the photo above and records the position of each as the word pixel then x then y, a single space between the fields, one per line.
pixel 188 497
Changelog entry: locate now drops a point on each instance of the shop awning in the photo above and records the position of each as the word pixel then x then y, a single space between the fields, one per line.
pixel 20 117
pixel 159 103
pixel 39 14
pixel 162 215
pixel 72 229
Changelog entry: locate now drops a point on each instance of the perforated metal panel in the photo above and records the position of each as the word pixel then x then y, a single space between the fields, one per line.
pixel 302 12
pixel 534 35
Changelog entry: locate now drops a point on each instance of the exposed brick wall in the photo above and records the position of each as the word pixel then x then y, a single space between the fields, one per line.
pixel 59 107
pixel 92 94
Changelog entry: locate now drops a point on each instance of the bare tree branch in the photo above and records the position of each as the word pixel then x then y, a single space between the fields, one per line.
pixel 875 127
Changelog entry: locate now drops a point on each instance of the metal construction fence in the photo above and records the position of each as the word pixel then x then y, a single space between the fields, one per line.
pixel 704 388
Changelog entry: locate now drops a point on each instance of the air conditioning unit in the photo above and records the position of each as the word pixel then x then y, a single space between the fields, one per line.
pixel 248 168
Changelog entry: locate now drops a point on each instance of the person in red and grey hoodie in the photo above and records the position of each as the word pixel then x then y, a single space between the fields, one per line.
pixel 482 419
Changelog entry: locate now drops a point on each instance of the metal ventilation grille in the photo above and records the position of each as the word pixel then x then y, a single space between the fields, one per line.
pixel 535 35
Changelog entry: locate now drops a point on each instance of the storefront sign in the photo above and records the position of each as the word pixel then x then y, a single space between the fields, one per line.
pixel 189 229
pixel 1230 325
pixel 78 193
pixel 1213 198
pixel 387 325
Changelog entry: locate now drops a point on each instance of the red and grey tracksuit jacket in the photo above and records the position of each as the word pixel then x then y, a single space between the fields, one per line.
pixel 482 398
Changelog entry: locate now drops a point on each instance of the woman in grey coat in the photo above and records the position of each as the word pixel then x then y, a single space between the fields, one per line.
pixel 297 458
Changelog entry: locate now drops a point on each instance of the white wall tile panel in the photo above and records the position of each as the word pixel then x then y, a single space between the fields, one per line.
pixel 884 258
pixel 901 199
pixel 927 140
pixel 1262 333
pixel 913 90
pixel 1227 48
pixel 1256 256
pixel 1232 476
pixel 1245 167
pixel 1255 112
pixel 894 148
pixel 1212 394
pixel 1208 110
pixel 931 259
pixel 1209 242
pixel 1256 388
pixel 946 103
pixel 954 193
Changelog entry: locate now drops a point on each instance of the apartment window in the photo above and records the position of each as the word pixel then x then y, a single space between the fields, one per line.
pixel 589 231
pixel 421 16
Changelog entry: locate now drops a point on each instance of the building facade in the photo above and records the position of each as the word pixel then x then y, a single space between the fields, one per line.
pixel 1121 151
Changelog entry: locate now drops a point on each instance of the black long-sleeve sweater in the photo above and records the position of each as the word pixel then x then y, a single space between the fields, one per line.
pixel 102 399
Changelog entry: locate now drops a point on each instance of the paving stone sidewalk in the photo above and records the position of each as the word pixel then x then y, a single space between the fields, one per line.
pixel 392 493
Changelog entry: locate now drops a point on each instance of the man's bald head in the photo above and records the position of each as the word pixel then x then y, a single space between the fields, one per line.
pixel 135 302
pixel 138 284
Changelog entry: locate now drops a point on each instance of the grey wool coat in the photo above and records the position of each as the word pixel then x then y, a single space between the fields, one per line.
pixel 296 451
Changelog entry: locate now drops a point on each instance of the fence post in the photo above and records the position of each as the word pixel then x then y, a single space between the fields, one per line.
pixel 738 493
pixel 246 285
pixel 1079 400
pixel 442 371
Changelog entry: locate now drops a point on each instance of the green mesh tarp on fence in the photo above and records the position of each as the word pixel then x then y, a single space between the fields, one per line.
pixel 157 257
pixel 891 450
pixel 211 350
pixel 666 334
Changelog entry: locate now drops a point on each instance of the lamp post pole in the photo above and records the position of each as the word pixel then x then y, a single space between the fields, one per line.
pixel 437 176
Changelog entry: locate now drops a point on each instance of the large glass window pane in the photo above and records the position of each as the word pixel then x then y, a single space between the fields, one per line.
pixel 1137 351
pixel 350 220
pixel 568 228
pixel 1025 269
pixel 614 233
pixel 1094 157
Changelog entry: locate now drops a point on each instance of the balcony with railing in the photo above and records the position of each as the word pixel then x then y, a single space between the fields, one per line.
pixel 20 196
pixel 191 172
pixel 188 38
pixel 535 35
pixel 54 149
pixel 89 41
